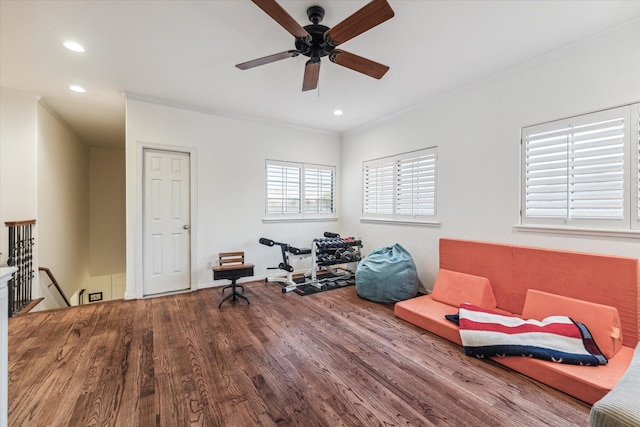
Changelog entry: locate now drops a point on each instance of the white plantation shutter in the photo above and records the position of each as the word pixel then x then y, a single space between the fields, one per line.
pixel 401 187
pixel 596 170
pixel 283 189
pixel 546 173
pixel 576 171
pixel 319 183
pixel 378 187
pixel 416 185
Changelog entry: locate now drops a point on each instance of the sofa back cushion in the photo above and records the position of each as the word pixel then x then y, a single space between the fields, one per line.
pixel 602 321
pixel 602 279
pixel 454 288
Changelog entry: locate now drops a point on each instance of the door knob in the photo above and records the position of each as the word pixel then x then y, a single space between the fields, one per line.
pixel 186 226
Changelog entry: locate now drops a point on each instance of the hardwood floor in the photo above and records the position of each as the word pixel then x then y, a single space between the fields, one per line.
pixel 328 359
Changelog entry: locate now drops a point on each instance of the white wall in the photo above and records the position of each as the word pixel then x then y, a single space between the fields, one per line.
pixel 18 162
pixel 229 159
pixel 107 223
pixel 477 131
pixel 107 211
pixel 63 208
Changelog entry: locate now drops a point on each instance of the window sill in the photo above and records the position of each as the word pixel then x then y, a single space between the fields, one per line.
pixel 629 234
pixel 316 219
pixel 400 222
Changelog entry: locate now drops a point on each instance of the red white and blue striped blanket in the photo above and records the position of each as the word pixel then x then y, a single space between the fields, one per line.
pixel 485 333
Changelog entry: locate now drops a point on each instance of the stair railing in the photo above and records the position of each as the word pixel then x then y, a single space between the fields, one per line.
pixel 21 243
pixel 55 283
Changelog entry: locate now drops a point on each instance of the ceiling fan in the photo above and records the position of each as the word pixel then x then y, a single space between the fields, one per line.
pixel 316 40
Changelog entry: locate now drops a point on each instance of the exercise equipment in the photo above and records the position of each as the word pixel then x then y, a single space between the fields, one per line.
pixel 326 251
pixel 286 249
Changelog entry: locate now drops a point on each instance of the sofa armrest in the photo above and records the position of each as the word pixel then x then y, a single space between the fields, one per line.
pixel 455 288
pixel 602 321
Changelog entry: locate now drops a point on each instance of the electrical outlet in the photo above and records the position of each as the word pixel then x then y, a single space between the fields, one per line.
pixel 209 265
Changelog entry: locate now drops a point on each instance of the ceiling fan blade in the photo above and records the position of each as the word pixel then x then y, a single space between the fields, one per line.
pixel 268 59
pixel 278 14
pixel 311 74
pixel 358 63
pixel 369 16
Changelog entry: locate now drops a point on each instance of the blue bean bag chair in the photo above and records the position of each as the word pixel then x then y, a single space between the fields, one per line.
pixel 387 274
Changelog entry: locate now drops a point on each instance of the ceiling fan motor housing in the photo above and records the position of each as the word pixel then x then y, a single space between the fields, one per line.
pixel 316 47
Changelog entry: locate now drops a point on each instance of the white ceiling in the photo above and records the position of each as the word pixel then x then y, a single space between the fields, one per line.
pixel 183 52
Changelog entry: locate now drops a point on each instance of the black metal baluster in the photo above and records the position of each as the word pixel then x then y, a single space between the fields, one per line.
pixel 31 271
pixel 11 261
pixel 22 266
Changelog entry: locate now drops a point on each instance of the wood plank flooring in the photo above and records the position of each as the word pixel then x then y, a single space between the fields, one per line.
pixel 330 359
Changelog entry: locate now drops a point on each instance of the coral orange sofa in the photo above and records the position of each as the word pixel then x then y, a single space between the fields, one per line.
pixel 603 292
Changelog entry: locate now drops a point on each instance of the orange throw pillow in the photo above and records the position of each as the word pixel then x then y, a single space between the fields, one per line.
pixel 454 288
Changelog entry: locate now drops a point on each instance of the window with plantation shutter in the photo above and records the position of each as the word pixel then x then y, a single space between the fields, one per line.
pixel 283 189
pixel 576 171
pixel 416 185
pixel 299 190
pixel 401 187
pixel 318 190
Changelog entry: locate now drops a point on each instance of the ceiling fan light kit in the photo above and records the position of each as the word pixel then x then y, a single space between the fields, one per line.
pixel 316 41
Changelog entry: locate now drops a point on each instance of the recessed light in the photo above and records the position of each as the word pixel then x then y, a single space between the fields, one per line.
pixel 337 112
pixel 74 46
pixel 78 89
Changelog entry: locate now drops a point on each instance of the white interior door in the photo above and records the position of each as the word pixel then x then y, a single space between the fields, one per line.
pixel 167 236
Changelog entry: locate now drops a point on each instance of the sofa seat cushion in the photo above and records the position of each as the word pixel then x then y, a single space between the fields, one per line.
pixel 587 383
pixel 602 321
pixel 455 288
pixel 429 314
